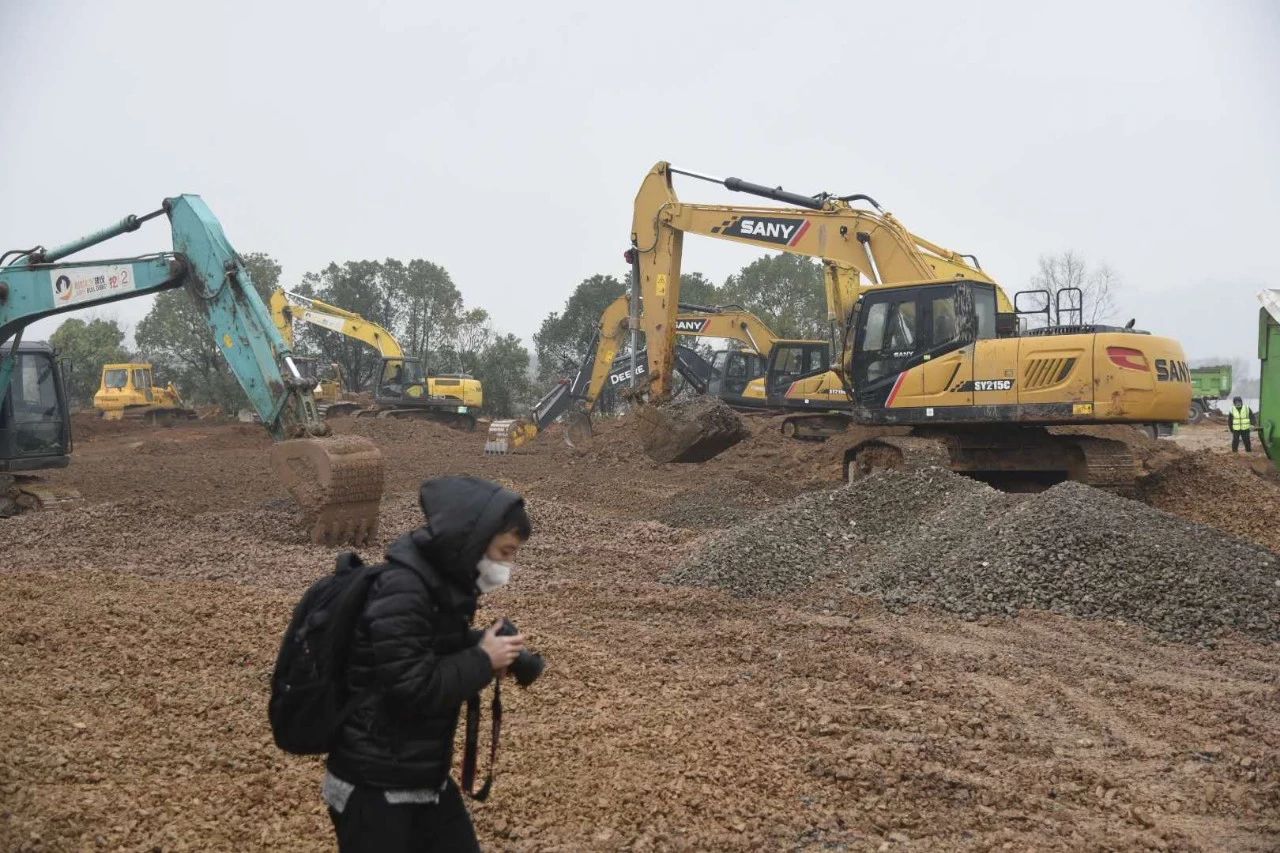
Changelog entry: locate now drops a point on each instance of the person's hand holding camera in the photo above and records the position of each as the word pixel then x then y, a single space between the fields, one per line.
pixel 502 650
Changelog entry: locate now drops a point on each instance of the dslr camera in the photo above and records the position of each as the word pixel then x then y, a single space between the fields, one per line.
pixel 528 665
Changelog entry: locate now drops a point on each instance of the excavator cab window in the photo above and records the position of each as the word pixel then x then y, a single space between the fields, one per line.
pixel 792 361
pixel 116 378
pixel 34 416
pixel 984 306
pixel 142 379
pixel 733 370
pixel 400 374
pixel 887 339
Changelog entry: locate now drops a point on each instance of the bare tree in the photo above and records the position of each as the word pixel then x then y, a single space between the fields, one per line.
pixel 1098 285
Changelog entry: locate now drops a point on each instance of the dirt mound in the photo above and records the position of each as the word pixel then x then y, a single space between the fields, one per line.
pixel 692 430
pixel 1214 489
pixel 395 430
pixel 931 537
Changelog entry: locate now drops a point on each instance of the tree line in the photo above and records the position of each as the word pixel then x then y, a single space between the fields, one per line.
pixel 418 301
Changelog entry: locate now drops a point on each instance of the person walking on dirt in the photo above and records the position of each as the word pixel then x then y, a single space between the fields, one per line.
pixel 414 654
pixel 1240 419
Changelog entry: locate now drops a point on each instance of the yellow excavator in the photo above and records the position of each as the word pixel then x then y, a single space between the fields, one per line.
pixel 129 391
pixel 932 349
pixel 755 377
pixel 403 388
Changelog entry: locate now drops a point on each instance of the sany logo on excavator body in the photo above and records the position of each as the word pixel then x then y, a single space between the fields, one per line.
pixel 781 231
pixel 690 327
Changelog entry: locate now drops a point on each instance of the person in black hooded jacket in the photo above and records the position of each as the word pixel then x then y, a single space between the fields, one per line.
pixel 417 660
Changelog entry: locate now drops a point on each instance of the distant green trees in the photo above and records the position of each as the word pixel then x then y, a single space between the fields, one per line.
pixel 89 346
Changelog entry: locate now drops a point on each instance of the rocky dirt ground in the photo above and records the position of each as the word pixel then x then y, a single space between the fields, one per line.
pixel 138 628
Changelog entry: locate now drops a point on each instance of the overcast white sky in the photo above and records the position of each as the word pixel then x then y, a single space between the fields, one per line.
pixel 506 141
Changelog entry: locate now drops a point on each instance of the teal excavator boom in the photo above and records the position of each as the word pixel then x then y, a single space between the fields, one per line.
pixel 336 480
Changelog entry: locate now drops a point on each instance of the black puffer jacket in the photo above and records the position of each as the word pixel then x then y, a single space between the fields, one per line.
pixel 413 651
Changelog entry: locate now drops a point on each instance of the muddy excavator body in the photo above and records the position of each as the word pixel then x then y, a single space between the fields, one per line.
pixel 337 482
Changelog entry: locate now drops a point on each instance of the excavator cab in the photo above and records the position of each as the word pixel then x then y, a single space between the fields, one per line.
pixel 405 391
pixel 732 372
pixel 401 378
pixel 792 361
pixel 35 430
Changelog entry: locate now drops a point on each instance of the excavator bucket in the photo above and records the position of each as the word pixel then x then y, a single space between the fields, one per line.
pixel 577 428
pixel 338 483
pixel 506 435
pixel 693 430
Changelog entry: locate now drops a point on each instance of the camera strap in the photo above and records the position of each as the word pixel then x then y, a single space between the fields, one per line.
pixel 473 744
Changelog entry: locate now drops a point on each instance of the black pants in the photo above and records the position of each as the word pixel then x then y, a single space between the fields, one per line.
pixel 369 824
pixel 1236 435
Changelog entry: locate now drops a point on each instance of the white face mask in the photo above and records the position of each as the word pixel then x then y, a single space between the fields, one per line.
pixel 493 574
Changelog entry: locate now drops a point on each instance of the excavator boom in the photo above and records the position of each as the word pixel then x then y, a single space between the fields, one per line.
pixel 336 481
pixel 858 248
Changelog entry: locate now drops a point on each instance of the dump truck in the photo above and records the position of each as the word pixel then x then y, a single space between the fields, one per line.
pixel 1209 384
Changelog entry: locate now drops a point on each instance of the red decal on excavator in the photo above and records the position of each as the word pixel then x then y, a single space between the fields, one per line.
pixel 894 393
pixel 804 226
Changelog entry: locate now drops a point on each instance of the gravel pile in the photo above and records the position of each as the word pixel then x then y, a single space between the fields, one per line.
pixel 934 538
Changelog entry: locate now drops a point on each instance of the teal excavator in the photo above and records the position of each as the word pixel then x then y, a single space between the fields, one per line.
pixel 336 480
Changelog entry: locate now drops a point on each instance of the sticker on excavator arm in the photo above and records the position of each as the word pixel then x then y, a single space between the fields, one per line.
pixel 334 323
pixel 660 285
pixel 80 284
pixel 1082 408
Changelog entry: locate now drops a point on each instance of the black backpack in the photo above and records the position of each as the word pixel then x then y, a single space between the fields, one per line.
pixel 309 700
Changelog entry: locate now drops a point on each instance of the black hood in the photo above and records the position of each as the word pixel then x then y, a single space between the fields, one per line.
pixel 463 514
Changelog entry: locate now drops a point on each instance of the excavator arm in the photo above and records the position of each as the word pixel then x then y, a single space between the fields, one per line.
pixel 856 246
pixel 337 481
pixel 287 306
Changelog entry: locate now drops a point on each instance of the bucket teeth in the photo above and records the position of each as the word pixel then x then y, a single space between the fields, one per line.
pixel 498 442
pixel 337 482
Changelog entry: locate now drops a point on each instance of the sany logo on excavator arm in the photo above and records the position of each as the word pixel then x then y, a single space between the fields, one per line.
pixel 779 230
pixel 691 326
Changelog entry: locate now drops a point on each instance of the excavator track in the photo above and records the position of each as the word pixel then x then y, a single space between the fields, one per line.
pixel 1107 464
pixel 1009 460
pixel 889 452
pixel 337 482
pixel 22 492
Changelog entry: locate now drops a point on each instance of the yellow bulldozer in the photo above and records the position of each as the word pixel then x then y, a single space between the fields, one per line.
pixel 129 391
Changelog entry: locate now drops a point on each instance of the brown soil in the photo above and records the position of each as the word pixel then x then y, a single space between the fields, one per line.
pixel 138 629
